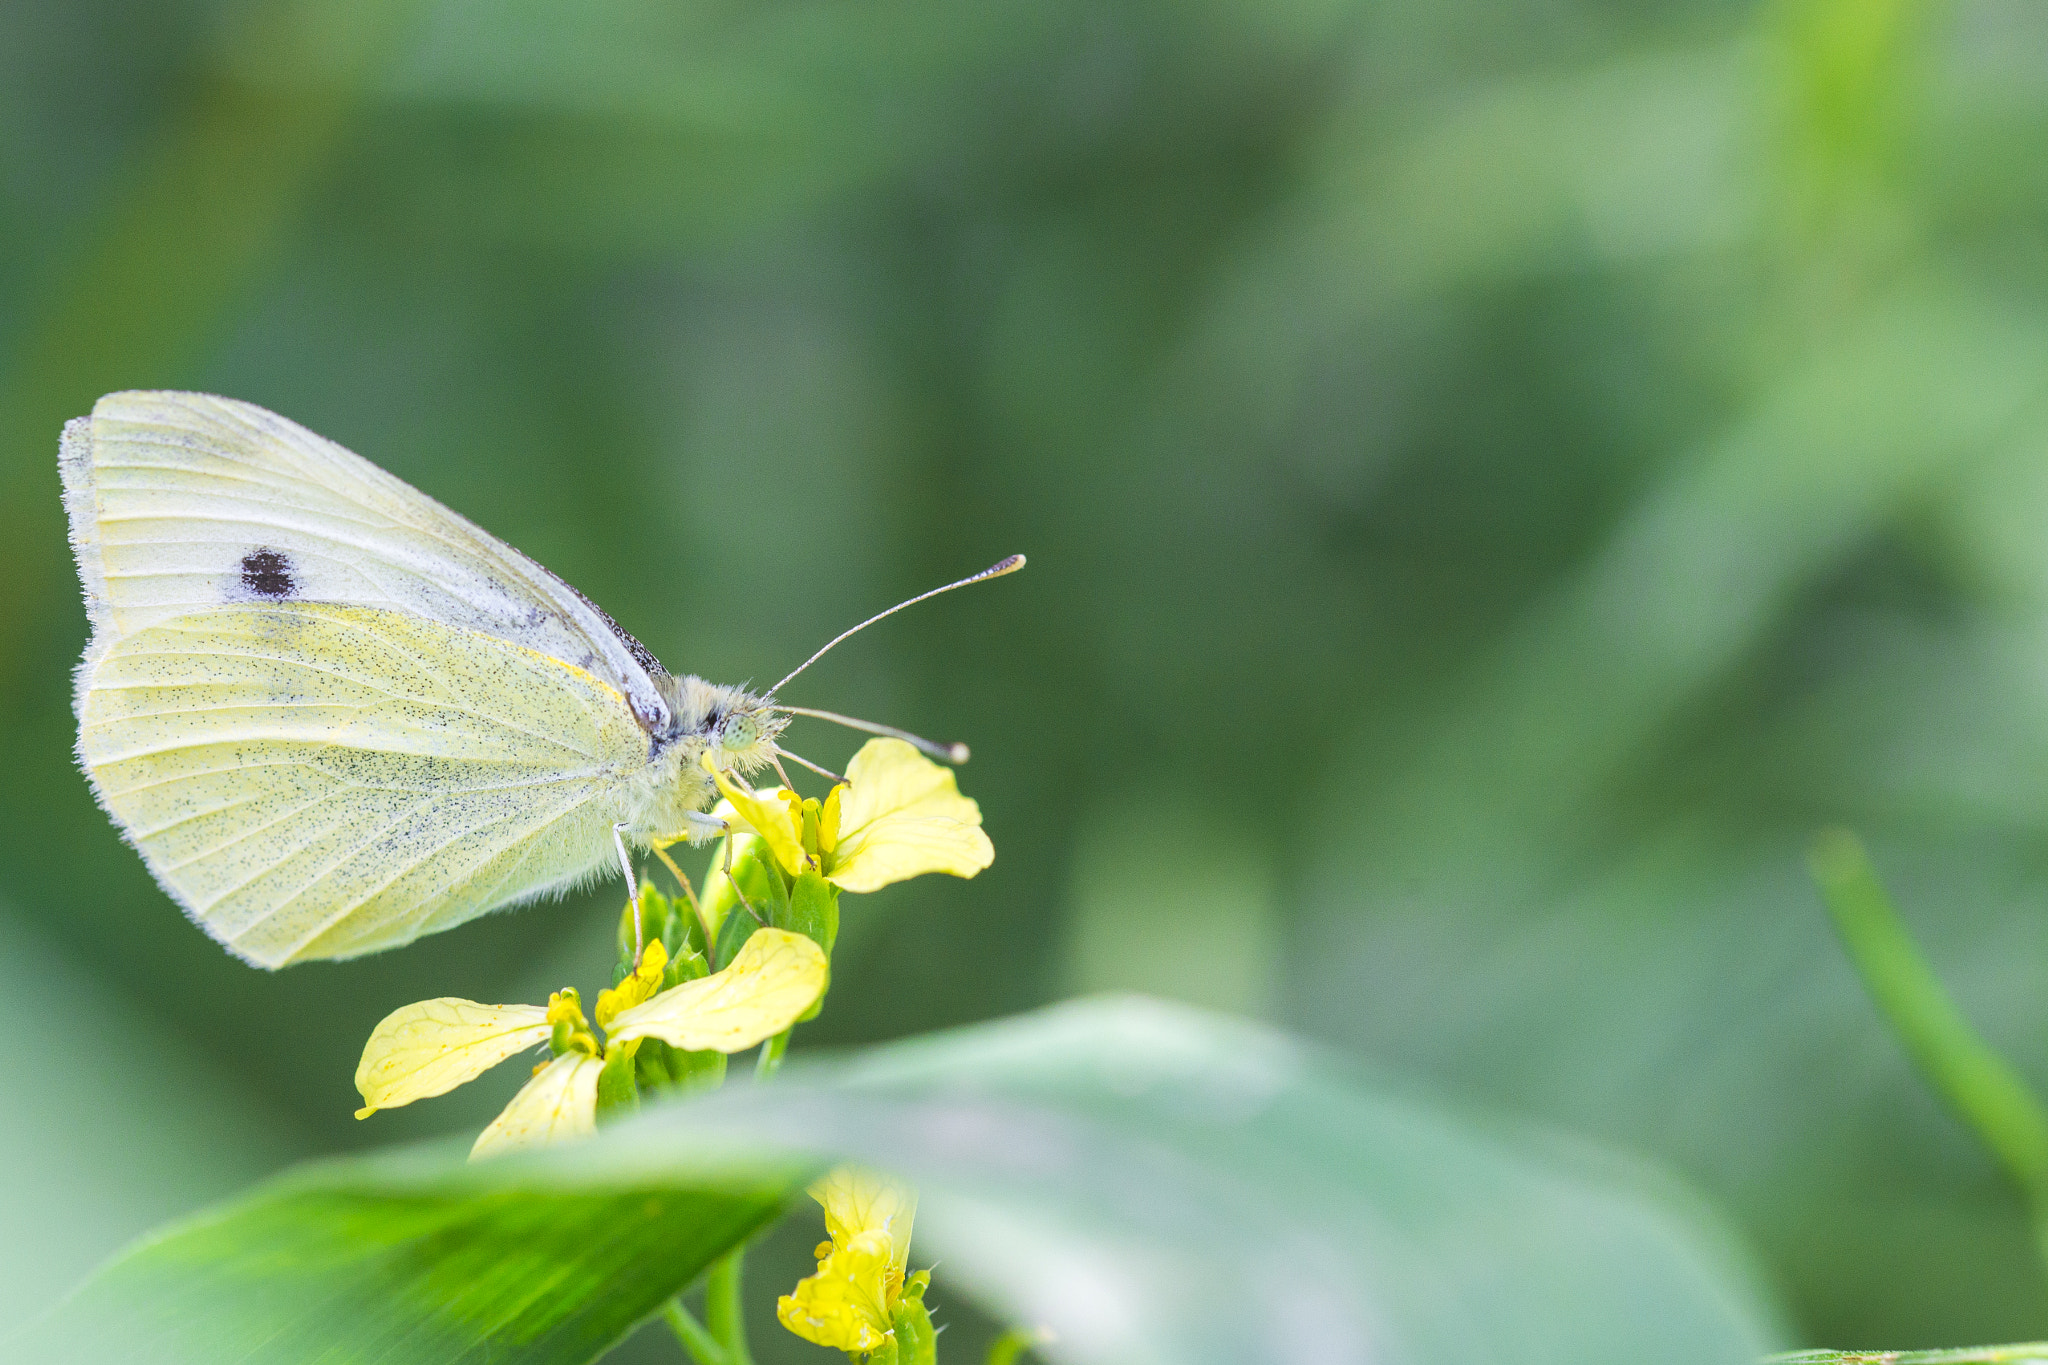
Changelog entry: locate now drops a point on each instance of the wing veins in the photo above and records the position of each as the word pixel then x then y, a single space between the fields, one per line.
pixel 276 523
pixel 352 678
pixel 190 471
pixel 142 834
pixel 220 848
pixel 456 549
pixel 423 802
pixel 203 772
pixel 562 775
pixel 428 668
pixel 419 807
pixel 362 900
pixel 344 706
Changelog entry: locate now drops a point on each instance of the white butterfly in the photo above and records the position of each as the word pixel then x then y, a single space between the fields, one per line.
pixel 334 716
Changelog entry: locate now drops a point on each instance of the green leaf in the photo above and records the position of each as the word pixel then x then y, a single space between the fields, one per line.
pixel 402 1259
pixel 2024 1353
pixel 1157 1183
pixel 1150 1182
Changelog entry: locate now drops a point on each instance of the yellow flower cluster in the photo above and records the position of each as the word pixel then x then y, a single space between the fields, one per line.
pixel 898 815
pixel 851 1303
pixel 431 1047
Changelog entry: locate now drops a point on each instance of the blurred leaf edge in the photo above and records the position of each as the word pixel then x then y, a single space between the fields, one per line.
pixel 1247 1121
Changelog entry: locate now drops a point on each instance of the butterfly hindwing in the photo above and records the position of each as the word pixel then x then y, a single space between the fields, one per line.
pixel 181 502
pixel 312 781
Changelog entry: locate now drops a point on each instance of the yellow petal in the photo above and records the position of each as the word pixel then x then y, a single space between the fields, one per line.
pixel 829 820
pixel 844 1305
pixel 859 1201
pixel 889 777
pixel 765 815
pixel 433 1046
pixel 897 849
pixel 558 1104
pixel 776 977
pixel 640 985
pixel 565 1006
pixel 901 817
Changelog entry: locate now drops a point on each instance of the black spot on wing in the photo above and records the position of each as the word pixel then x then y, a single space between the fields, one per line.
pixel 268 573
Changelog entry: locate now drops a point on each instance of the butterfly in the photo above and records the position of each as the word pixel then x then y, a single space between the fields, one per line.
pixel 334 715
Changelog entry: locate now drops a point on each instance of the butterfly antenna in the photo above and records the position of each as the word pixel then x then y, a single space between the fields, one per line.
pixel 945 753
pixel 1010 565
pixel 820 771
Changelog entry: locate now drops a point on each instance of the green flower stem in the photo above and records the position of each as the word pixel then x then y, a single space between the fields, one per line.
pixel 728 1329
pixel 770 1059
pixel 696 1338
pixel 722 1308
pixel 1005 1349
pixel 1975 1081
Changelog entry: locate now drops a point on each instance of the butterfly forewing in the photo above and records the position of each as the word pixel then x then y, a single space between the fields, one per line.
pixel 312 780
pixel 181 502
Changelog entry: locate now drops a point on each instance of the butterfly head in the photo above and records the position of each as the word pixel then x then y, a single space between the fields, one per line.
pixel 737 728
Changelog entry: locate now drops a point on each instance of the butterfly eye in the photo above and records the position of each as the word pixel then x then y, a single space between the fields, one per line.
pixel 738 732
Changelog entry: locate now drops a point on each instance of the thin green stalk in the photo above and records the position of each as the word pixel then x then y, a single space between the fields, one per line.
pixel 722 1307
pixel 1005 1349
pixel 696 1338
pixel 1975 1081
pixel 770 1059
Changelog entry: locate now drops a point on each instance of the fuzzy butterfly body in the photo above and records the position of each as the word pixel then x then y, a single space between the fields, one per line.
pixel 334 715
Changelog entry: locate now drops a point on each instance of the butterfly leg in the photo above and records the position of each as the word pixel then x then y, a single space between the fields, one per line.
pixel 702 827
pixel 689 892
pixel 731 879
pixel 632 887
pixel 697 827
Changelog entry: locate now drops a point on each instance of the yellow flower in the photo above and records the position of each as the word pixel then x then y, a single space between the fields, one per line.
pixel 898 815
pixel 850 1304
pixel 431 1047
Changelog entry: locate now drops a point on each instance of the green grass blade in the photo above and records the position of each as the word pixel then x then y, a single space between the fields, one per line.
pixel 1974 1080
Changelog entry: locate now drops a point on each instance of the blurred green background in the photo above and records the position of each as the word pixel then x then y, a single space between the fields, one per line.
pixel 1497 477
